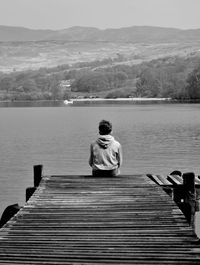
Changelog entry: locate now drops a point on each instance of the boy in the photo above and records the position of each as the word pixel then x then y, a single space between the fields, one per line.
pixel 105 153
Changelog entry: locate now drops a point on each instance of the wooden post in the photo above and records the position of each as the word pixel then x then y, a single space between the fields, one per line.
pixel 37 176
pixel 37 169
pixel 189 196
pixel 29 192
pixel 179 195
pixel 8 213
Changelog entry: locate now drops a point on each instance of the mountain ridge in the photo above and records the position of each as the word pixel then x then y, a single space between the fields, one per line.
pixel 136 34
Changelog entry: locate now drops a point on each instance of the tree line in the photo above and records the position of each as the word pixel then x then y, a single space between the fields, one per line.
pixel 44 84
pixel 171 77
pixel 174 77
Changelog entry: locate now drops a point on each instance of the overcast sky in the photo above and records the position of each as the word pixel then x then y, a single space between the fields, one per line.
pixel 60 14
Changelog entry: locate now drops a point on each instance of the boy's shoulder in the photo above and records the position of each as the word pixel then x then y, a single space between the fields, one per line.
pixel 93 142
pixel 117 142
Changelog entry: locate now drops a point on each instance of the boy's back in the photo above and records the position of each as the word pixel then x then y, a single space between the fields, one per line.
pixel 105 152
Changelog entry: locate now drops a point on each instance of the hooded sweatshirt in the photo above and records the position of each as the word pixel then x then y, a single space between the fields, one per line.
pixel 105 153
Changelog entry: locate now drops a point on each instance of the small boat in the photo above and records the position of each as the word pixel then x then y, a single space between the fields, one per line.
pixel 68 101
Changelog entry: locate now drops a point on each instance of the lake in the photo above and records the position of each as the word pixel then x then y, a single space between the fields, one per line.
pixel 155 139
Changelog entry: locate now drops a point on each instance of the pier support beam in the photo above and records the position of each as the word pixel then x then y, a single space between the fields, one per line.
pixel 189 197
pixel 8 213
pixel 37 176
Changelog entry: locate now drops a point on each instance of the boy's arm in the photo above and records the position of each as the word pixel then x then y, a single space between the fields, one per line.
pixel 91 156
pixel 119 157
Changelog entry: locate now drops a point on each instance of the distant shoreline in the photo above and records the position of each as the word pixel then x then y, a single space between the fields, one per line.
pixel 93 101
pixel 120 99
pixel 127 100
pixel 80 101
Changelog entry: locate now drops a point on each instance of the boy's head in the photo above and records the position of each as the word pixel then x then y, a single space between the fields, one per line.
pixel 105 127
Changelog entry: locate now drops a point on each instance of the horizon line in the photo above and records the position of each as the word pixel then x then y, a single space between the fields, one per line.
pixel 78 26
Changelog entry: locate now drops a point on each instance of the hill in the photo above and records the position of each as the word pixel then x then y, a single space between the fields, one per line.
pixel 8 33
pixel 136 34
pixel 23 49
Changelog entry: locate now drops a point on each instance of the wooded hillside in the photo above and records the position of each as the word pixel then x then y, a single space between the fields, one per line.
pixel 178 78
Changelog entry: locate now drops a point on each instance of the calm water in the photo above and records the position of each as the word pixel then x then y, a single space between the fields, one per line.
pixel 155 139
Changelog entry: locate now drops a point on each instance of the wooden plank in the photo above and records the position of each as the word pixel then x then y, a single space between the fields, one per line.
pixel 82 220
pixel 178 178
pixel 164 180
pixel 175 180
pixel 160 180
pixel 156 179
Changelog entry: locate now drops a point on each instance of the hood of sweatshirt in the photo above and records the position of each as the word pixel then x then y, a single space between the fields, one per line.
pixel 104 141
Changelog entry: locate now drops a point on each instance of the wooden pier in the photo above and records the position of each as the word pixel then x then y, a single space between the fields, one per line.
pixel 83 220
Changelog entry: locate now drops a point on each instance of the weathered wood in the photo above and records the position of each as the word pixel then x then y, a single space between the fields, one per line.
pixel 37 177
pixel 29 192
pixel 82 220
pixel 8 213
pixel 164 180
pixel 175 180
pixel 190 196
pixel 189 182
pixel 37 174
pixel 186 190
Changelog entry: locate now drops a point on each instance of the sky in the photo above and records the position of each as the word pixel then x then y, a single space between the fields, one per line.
pixel 102 14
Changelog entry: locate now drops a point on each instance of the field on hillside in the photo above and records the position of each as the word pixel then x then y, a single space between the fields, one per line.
pixel 17 56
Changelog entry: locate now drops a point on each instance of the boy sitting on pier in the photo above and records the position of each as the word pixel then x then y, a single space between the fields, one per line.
pixel 105 153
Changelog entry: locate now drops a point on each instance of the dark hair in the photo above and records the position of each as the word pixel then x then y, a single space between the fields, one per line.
pixel 105 127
